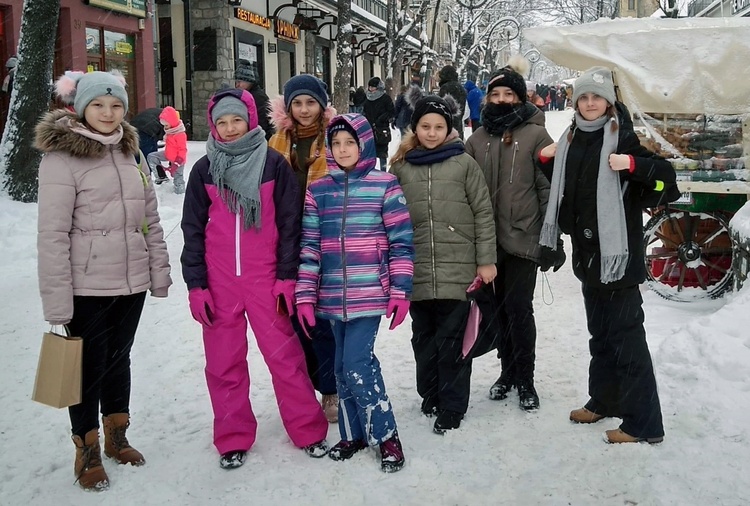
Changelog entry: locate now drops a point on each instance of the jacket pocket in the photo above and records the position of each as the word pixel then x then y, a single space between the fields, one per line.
pixel 384 272
pixel 460 234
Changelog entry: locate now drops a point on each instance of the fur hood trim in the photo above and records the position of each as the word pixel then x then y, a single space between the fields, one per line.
pixel 52 136
pixel 282 119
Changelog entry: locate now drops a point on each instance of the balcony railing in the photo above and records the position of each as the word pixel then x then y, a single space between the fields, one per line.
pixel 697 6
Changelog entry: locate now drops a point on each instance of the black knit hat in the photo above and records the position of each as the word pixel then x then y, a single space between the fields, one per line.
pixel 509 78
pixel 433 104
pixel 341 125
pixel 245 71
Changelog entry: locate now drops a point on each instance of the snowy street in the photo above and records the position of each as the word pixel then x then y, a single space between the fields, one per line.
pixel 500 455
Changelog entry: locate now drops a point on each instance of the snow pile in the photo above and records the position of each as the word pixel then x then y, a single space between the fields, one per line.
pixel 500 455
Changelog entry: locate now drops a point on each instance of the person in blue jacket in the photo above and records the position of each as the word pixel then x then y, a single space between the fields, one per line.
pixel 474 97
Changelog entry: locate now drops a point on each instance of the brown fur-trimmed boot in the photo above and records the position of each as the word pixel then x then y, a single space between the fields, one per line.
pixel 88 468
pixel 116 444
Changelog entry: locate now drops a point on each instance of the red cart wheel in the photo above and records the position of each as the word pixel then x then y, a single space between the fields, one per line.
pixel 688 255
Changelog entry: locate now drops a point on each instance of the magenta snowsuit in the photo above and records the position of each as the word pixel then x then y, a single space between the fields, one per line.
pixel 239 268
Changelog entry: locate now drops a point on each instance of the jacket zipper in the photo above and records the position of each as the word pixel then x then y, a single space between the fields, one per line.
pixel 432 230
pixel 343 240
pixel 486 154
pixel 238 268
pixel 513 162
pixel 125 220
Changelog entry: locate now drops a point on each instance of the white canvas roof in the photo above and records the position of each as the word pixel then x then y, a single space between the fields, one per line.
pixel 690 65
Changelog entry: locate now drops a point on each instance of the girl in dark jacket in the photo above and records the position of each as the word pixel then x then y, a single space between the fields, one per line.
pixel 507 148
pixel 598 175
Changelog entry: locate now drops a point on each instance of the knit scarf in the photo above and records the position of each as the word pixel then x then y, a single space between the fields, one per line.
pixel 497 118
pixel 610 211
pixel 176 129
pixel 282 142
pixel 108 140
pixel 237 170
pixel 422 156
pixel 374 95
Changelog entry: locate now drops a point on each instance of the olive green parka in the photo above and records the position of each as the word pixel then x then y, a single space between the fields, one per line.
pixel 454 231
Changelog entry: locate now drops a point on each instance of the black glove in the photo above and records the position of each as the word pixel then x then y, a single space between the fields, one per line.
pixel 552 258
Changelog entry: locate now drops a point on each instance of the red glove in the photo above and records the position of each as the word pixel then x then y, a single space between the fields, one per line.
pixel 179 160
pixel 283 290
pixel 201 306
pixel 306 317
pixel 398 309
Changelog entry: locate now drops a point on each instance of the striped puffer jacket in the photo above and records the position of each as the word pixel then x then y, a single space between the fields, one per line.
pixel 357 249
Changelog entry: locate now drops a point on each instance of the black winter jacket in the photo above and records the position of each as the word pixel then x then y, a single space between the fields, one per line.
pixel 578 209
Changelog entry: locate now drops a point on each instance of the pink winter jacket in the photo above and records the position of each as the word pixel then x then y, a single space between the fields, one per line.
pixel 98 232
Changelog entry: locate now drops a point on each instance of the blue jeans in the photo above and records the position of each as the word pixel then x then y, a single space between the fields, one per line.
pixel 365 411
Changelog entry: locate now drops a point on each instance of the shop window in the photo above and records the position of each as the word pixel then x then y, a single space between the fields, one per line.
pixel 323 64
pixel 107 50
pixel 204 49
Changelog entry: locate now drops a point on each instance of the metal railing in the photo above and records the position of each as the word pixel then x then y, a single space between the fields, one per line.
pixel 697 6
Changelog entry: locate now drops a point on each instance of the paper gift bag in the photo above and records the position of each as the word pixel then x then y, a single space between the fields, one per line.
pixel 58 376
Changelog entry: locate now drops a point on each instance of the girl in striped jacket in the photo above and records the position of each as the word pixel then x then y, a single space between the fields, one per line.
pixel 356 265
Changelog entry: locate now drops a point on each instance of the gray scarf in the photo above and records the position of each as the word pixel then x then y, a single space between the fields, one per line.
pixel 374 95
pixel 237 169
pixel 610 211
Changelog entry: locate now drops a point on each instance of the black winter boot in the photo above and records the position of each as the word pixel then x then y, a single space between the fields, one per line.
pixel 527 396
pixel 500 389
pixel 344 450
pixel 447 420
pixel 391 455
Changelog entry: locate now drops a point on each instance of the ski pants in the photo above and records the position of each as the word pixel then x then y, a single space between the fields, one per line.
pixel 320 352
pixel 443 378
pixel 227 374
pixel 514 291
pixel 365 412
pixel 155 161
pixel 621 374
pixel 107 326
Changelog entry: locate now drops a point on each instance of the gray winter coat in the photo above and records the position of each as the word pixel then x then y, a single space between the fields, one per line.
pixel 451 211
pixel 518 188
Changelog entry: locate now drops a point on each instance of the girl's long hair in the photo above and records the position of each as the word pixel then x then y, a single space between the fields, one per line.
pixel 409 142
pixel 319 142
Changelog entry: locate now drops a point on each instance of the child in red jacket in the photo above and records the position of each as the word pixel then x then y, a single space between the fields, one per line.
pixel 175 149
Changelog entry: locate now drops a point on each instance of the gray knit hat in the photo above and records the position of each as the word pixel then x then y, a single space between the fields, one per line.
pixel 245 71
pixel 229 105
pixel 596 80
pixel 98 84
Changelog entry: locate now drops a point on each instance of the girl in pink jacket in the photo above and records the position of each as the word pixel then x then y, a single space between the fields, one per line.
pixel 241 226
pixel 100 248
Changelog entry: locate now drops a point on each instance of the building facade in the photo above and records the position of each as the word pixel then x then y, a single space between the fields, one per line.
pixel 96 35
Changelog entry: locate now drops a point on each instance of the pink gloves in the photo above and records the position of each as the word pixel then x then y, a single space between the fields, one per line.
pixel 306 317
pixel 201 305
pixel 398 309
pixel 172 169
pixel 283 291
pixel 179 161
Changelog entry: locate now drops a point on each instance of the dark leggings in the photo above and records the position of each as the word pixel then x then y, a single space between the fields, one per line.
pixel 107 326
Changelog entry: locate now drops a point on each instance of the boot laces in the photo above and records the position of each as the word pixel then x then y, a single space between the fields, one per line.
pixel 119 439
pixel 91 456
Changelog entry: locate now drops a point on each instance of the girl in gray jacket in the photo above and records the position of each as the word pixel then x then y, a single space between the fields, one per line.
pixel 454 242
pixel 100 248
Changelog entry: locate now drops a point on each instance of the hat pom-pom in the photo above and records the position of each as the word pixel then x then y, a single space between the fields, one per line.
pixel 65 87
pixel 520 64
pixel 119 77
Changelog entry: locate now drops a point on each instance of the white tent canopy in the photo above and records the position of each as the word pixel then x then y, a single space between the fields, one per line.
pixel 691 65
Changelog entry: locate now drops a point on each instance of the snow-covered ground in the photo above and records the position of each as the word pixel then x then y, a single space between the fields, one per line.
pixel 500 455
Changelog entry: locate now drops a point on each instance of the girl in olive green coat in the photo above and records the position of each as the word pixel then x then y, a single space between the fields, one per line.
pixel 454 241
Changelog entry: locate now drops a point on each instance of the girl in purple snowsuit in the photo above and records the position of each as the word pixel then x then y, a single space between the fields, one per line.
pixel 241 227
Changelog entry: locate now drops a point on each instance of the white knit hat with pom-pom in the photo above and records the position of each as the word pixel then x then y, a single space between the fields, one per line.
pixel 79 89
